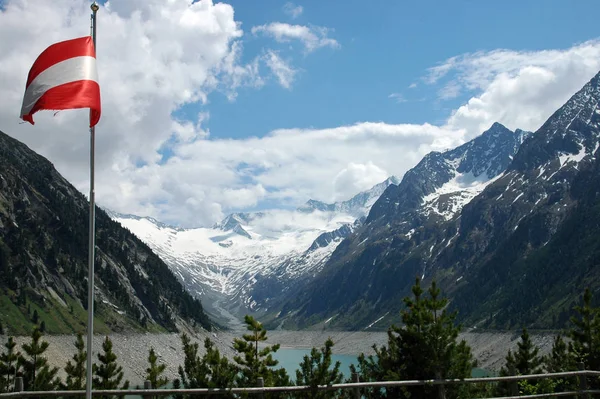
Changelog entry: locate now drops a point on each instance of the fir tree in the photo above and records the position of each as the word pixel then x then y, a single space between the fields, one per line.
pixel 316 370
pixel 256 363
pixel 8 365
pixel 585 333
pixel 177 385
pixel 523 361
pixel 527 359
pixel 76 371
pixel 559 360
pixel 108 374
pixel 426 347
pixel 210 371
pixel 37 374
pixel 154 371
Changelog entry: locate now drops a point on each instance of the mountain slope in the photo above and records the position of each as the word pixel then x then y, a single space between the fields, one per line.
pixel 539 224
pixel 43 258
pixel 364 277
pixel 250 261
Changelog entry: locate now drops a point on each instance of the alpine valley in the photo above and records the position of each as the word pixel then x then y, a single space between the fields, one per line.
pixel 506 223
pixel 257 262
pixel 44 254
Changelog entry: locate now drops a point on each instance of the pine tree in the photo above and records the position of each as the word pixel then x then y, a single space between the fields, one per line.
pixel 527 359
pixel 108 374
pixel 316 370
pixel 585 333
pixel 425 347
pixel 256 363
pixel 524 360
pixel 76 371
pixel 154 371
pixel 559 360
pixel 8 365
pixel 37 374
pixel 210 371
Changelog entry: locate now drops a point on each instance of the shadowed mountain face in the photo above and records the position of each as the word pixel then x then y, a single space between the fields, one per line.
pixel 249 262
pixel 43 258
pixel 496 222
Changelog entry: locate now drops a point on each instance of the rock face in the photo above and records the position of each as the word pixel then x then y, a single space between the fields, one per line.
pixel 507 224
pixel 249 262
pixel 254 262
pixel 43 259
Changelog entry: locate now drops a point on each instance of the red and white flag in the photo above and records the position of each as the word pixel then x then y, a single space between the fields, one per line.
pixel 63 77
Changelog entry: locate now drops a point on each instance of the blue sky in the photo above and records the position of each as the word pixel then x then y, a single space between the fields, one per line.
pixel 210 108
pixel 385 47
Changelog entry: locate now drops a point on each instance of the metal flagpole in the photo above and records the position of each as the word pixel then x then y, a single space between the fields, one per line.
pixel 92 243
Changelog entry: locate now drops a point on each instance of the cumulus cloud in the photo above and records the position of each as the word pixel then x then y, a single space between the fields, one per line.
pixel 312 38
pixel 357 177
pixel 292 10
pixel 155 57
pixel 207 178
pixel 517 89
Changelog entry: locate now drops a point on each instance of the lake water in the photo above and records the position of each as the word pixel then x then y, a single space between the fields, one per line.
pixel 290 359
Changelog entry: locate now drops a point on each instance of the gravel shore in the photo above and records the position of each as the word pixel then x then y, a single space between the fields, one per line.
pixel 489 348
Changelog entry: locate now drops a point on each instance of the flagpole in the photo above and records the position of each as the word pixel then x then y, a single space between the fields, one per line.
pixel 92 233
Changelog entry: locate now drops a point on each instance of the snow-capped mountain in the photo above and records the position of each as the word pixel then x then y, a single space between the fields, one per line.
pixel 357 206
pixel 511 248
pixel 430 194
pixel 248 259
pixel 443 182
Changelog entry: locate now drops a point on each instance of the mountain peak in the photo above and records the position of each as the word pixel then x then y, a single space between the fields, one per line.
pixel 357 206
pixel 461 172
pixel 573 128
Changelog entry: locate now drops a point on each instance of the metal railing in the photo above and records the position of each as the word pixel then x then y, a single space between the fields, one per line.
pixel 583 392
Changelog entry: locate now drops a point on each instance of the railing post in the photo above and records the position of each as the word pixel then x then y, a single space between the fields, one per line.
pixel 514 385
pixel 19 384
pixel 356 391
pixel 147 385
pixel 583 386
pixel 441 389
pixel 260 382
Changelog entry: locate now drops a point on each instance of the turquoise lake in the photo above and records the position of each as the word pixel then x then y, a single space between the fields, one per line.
pixel 290 359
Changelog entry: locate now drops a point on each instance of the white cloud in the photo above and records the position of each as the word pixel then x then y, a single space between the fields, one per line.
pixel 312 38
pixel 449 91
pixel 412 86
pixel 207 178
pixel 517 89
pixel 398 97
pixel 282 70
pixel 356 177
pixel 292 10
pixel 155 56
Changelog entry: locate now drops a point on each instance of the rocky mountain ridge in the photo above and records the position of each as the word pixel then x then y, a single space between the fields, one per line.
pixel 513 255
pixel 43 259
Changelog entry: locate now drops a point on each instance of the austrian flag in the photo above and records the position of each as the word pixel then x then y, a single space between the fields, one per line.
pixel 63 77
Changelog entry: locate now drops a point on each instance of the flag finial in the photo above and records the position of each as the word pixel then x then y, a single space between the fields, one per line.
pixel 95 7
